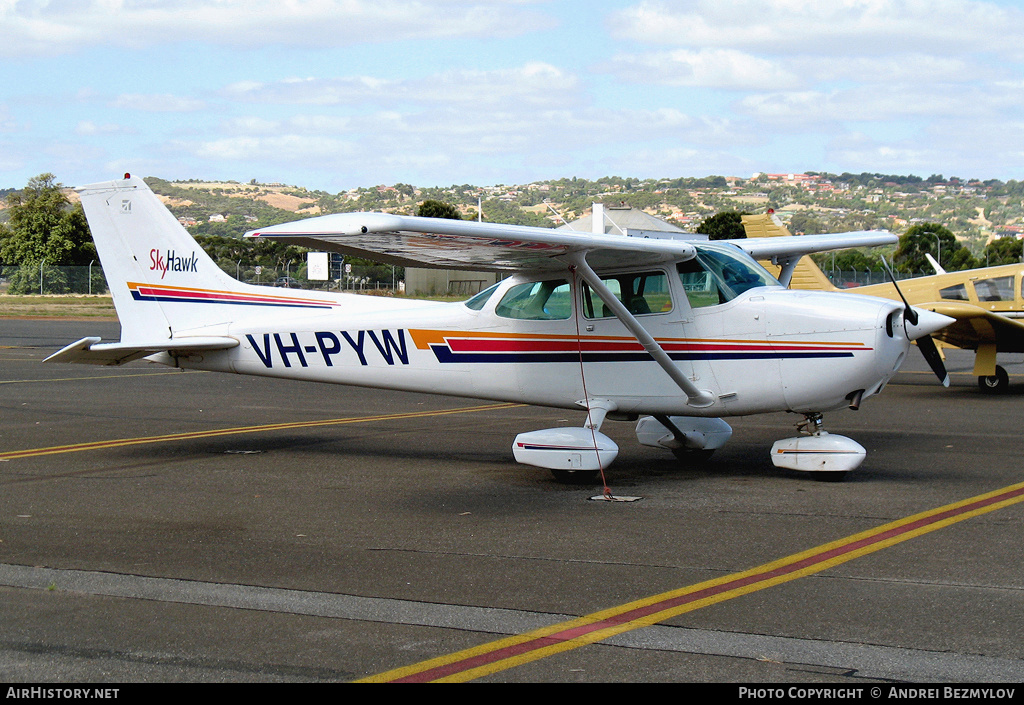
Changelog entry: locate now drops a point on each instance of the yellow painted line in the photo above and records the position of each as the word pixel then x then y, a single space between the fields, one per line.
pixel 86 379
pixel 517 650
pixel 120 442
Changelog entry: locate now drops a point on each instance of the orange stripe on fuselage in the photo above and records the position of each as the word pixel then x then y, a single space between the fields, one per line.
pixel 424 338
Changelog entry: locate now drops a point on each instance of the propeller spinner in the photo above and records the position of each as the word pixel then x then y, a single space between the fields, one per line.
pixel 919 325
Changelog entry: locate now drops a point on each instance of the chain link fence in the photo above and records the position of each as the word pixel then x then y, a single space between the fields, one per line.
pixel 54 279
pixel 382 278
pixel 848 279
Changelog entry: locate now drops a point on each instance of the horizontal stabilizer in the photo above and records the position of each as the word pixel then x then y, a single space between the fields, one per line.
pixel 90 351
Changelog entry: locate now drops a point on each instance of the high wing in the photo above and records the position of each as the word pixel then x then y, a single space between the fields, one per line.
pixel 458 244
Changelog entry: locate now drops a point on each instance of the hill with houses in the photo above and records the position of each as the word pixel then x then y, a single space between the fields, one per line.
pixel 976 211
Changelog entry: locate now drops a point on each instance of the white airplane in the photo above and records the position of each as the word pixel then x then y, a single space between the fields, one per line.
pixel 673 334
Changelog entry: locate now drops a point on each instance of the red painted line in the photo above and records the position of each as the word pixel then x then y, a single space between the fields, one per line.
pixel 633 615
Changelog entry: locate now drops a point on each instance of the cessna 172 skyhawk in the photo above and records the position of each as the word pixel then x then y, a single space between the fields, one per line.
pixel 677 334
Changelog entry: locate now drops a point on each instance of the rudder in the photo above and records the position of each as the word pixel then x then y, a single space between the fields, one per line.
pixel 150 260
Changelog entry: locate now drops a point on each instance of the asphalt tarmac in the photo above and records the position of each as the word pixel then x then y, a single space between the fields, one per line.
pixel 168 526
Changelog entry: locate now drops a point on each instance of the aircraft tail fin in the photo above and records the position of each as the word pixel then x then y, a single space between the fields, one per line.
pixel 806 275
pixel 161 280
pixel 148 258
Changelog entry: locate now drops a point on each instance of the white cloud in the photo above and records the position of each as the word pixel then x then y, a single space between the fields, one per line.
pixel 823 109
pixel 157 103
pixel 678 161
pixel 709 68
pixel 451 144
pixel 54 26
pixel 893 67
pixel 847 27
pixel 89 128
pixel 8 123
pixel 287 148
pixel 862 153
pixel 534 84
pixel 965 148
pixel 11 158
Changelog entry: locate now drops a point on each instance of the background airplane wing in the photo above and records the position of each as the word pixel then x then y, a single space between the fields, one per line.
pixel 798 245
pixel 974 326
pixel 460 244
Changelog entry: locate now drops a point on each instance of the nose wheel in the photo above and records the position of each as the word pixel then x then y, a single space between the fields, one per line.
pixel 812 425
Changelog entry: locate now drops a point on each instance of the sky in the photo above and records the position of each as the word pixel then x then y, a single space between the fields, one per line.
pixel 337 94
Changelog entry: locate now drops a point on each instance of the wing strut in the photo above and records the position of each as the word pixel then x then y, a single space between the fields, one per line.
pixel 695 397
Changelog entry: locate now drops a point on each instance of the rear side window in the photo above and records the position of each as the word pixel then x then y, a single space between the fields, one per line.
pixel 639 293
pixel 995 289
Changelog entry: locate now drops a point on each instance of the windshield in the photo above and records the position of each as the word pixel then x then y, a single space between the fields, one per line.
pixel 720 273
pixel 477 302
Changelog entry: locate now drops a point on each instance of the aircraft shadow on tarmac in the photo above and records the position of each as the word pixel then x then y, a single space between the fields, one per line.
pixel 634 466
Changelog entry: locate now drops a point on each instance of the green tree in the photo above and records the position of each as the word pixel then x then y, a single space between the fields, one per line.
pixel 932 238
pixel 727 225
pixel 45 227
pixel 806 222
pixel 438 209
pixel 960 260
pixel 1005 250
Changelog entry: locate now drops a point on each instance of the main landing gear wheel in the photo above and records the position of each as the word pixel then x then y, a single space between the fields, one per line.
pixel 576 477
pixel 996 384
pixel 833 476
pixel 692 456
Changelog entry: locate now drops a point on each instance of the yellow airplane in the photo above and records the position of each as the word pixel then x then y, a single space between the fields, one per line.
pixel 987 304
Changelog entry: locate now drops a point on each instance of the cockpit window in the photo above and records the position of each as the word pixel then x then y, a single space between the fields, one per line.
pixel 479 300
pixel 957 292
pixel 537 301
pixel 720 273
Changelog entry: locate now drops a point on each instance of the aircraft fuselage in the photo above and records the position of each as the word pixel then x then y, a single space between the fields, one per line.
pixel 769 349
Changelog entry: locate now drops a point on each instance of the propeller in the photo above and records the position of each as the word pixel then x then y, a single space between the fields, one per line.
pixel 931 354
pixel 925 343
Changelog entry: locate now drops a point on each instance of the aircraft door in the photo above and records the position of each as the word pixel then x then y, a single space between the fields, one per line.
pixel 618 366
pixel 535 344
pixel 728 334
